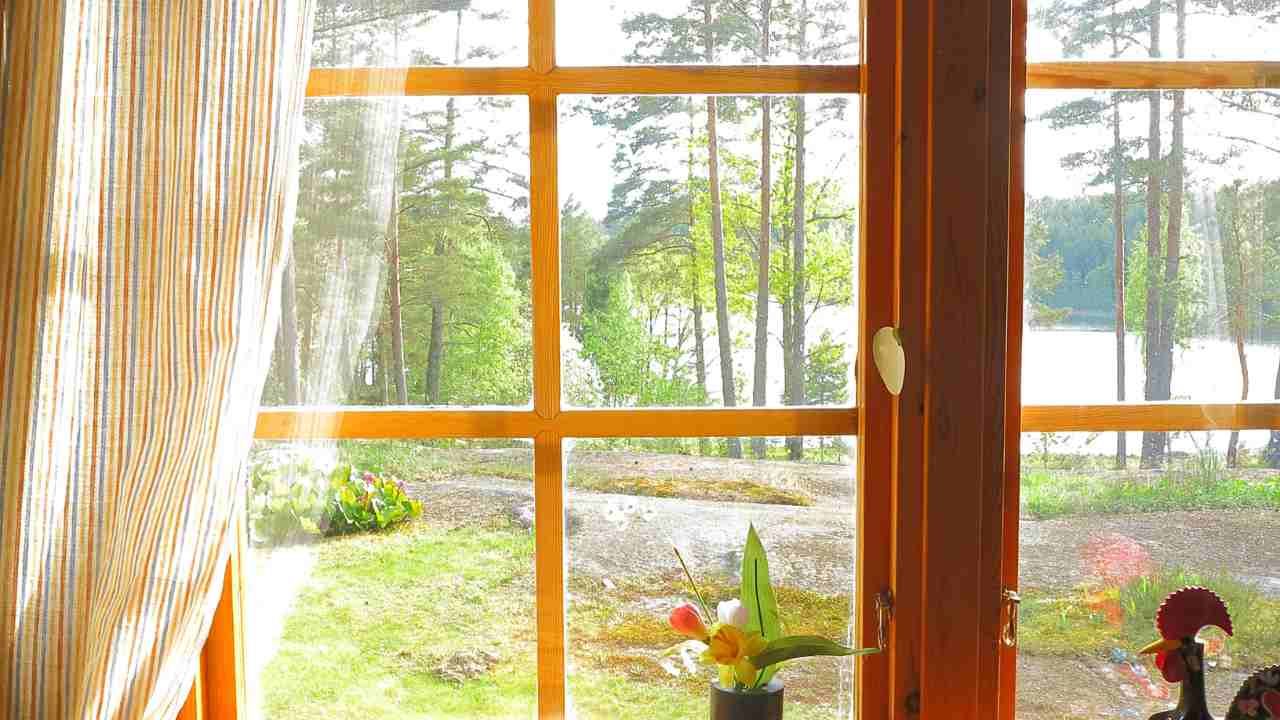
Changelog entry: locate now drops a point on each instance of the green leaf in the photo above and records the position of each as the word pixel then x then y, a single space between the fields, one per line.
pixel 756 593
pixel 799 646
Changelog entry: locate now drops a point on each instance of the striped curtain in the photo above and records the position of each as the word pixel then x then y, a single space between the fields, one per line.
pixel 147 183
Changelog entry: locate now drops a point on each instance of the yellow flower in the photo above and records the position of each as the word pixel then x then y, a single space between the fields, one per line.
pixel 732 647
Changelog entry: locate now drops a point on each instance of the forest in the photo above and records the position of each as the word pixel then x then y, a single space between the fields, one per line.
pixel 721 269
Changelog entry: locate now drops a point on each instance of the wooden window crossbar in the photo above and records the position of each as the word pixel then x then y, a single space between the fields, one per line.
pixel 610 80
pixel 763 79
pixel 425 423
pixel 379 423
pixel 1153 75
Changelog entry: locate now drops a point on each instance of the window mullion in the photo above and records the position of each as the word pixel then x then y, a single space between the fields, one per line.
pixel 545 231
pixel 548 458
pixel 548 494
pixel 542 35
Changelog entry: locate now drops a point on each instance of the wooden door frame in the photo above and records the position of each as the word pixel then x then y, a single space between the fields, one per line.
pixel 953 80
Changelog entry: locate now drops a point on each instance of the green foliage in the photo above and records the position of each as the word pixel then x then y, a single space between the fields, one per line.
pixel 1248 228
pixel 1202 482
pixel 284 506
pixel 1092 621
pixel 381 614
pixel 1043 276
pixel 827 372
pixel 758 599
pixel 801 646
pixel 1253 614
pixel 291 501
pixel 1075 236
pixel 757 592
pixel 1187 289
pixel 364 621
pixel 364 502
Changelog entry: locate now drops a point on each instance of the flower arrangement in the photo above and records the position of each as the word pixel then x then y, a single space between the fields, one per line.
pixel 743 638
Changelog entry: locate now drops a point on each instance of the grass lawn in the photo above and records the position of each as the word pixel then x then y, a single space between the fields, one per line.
pixel 383 617
pixel 1048 494
pixel 1085 622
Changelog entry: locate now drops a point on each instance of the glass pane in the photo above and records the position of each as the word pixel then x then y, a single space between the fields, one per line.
pixel 1214 319
pixel 396 33
pixel 434 308
pixel 661 277
pixel 1101 548
pixel 1114 522
pixel 431 617
pixel 630 501
pixel 1096 30
pixel 712 32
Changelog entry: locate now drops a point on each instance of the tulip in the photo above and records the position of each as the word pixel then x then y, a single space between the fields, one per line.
pixel 731 612
pixel 732 647
pixel 686 621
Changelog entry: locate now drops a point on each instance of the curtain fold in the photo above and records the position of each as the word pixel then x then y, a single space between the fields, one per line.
pixel 147 184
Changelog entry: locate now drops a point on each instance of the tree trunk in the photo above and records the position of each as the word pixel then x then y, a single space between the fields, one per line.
pixel 795 445
pixel 288 335
pixel 383 376
pixel 723 338
pixel 1233 451
pixel 1272 453
pixel 1176 180
pixel 699 333
pixel 796 348
pixel 435 343
pixel 759 393
pixel 732 445
pixel 306 335
pixel 1233 250
pixel 394 315
pixel 1117 221
pixel 1153 443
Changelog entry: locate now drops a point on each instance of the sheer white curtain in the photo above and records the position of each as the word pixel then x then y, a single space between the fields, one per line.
pixel 146 194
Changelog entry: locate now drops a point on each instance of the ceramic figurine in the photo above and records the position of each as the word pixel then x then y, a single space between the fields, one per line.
pixel 1259 697
pixel 1179 656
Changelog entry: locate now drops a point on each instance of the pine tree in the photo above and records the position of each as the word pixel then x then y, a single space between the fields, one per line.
pixel 1081 26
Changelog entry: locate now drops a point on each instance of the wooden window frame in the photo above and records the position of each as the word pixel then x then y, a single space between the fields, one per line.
pixel 219 690
pixel 939 258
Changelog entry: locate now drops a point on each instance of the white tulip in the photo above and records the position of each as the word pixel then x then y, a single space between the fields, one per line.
pixel 731 612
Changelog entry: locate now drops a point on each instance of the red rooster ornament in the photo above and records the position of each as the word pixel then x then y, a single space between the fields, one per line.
pixel 1259 697
pixel 1179 656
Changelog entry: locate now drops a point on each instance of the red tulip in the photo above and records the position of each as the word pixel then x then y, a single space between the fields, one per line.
pixel 686 621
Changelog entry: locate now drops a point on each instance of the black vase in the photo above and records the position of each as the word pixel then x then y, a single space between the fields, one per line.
pixel 762 704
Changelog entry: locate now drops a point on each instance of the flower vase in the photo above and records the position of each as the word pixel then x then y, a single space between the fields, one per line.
pixel 762 704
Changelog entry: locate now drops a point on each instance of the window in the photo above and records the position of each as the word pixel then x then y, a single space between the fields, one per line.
pixel 1148 361
pixel 507 291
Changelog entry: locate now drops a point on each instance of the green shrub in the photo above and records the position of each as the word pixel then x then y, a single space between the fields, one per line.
pixel 291 501
pixel 285 503
pixel 365 502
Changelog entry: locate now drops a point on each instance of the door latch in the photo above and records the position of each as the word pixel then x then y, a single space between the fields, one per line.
pixel 884 615
pixel 1011 602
